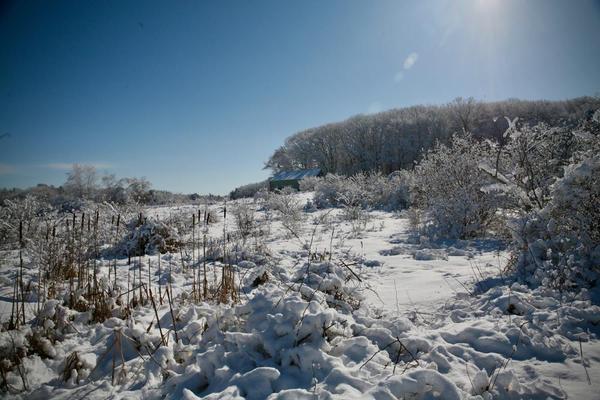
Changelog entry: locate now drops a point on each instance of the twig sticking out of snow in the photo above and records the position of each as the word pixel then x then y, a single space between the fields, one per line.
pixel 401 348
pixel 172 315
pixel 583 362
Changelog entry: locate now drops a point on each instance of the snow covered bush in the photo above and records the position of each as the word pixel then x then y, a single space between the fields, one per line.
pixel 327 190
pixel 551 178
pixel 148 236
pixel 447 186
pixel 367 191
pixel 538 155
pixel 248 190
pixel 393 192
pixel 559 246
pixel 245 222
pixel 587 135
pixel 527 161
pixel 13 349
pixel 288 206
pixel 309 184
pixel 26 211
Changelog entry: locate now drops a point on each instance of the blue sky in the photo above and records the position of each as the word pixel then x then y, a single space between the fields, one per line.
pixel 195 95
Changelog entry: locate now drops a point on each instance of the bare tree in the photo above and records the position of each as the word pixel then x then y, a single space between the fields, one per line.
pixel 464 112
pixel 81 181
pixel 138 188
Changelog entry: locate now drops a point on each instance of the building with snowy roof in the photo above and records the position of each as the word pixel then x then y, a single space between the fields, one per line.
pixel 284 179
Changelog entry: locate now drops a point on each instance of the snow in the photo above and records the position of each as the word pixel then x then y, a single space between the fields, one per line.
pixel 327 311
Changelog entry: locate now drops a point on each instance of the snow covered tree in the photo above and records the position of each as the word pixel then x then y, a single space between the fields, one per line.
pixel 81 181
pixel 535 158
pixel 395 139
pixel 447 187
pixel 137 189
pixel 558 245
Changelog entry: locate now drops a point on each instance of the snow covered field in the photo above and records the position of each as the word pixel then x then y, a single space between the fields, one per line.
pixel 327 308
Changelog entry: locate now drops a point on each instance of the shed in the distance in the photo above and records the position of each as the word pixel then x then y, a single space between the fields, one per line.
pixel 284 179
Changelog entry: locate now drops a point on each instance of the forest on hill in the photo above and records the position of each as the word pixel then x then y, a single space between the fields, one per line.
pixel 396 139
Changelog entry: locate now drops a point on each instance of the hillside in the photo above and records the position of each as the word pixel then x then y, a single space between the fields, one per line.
pixel 395 139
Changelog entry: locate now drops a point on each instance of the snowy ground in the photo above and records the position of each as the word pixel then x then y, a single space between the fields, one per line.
pixel 430 320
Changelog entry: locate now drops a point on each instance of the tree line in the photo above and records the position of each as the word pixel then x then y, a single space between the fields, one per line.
pixel 84 183
pixel 396 139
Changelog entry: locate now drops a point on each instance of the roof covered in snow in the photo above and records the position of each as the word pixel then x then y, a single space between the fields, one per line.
pixel 297 174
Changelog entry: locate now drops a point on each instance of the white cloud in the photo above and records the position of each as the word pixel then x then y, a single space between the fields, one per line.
pixel 63 166
pixel 410 60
